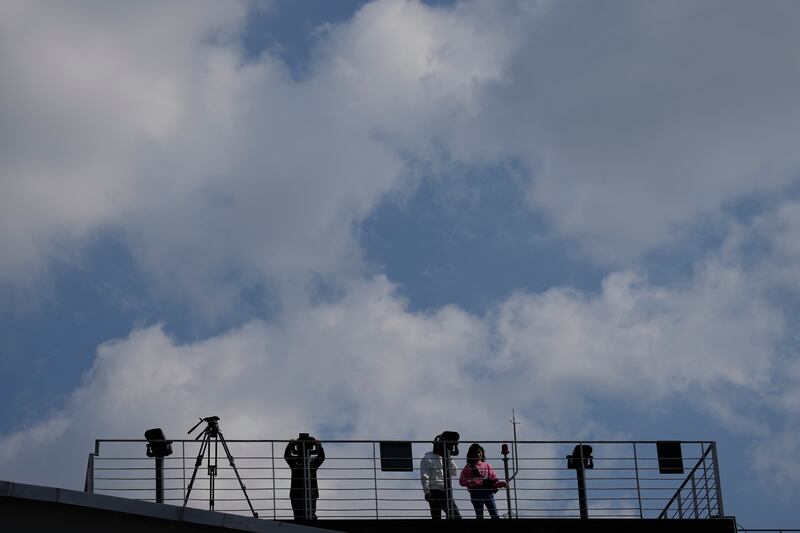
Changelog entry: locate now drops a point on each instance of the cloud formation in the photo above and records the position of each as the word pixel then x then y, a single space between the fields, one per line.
pixel 340 368
pixel 637 122
pixel 641 120
pixel 218 172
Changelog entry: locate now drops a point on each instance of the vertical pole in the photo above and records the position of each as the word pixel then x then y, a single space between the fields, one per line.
pixel 375 479
pixel 272 454
pixel 680 505
pixel 89 483
pixel 705 479
pixel 448 502
pixel 504 451
pixel 694 496
pixel 183 466
pixel 516 462
pixel 638 488
pixel 159 480
pixel 582 485
pixel 718 487
pixel 306 481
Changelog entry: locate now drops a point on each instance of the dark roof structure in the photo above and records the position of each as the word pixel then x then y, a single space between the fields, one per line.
pixel 37 508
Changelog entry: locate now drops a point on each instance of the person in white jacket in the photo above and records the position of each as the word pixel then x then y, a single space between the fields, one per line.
pixel 436 471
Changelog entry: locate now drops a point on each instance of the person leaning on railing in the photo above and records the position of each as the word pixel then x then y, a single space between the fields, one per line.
pixel 481 481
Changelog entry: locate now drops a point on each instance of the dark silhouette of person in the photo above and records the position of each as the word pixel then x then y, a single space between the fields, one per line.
pixel 436 471
pixel 304 456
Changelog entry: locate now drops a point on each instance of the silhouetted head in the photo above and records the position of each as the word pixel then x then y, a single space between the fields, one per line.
pixel 476 453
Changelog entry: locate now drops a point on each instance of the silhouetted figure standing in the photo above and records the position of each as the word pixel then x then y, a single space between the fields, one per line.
pixel 304 456
pixel 436 471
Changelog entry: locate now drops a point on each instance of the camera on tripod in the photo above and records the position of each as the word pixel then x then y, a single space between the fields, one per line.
pixel 213 426
pixel 212 434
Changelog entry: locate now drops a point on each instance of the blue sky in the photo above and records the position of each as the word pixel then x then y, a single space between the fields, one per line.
pixel 590 206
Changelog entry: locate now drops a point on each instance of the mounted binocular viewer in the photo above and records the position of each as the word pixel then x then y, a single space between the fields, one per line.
pixel 157 444
pixel 581 452
pixel 448 439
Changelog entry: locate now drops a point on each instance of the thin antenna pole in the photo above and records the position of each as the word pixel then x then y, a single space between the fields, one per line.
pixel 514 423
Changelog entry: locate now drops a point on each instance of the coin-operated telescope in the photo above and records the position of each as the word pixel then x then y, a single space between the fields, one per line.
pixel 581 460
pixel 158 447
pixel 446 442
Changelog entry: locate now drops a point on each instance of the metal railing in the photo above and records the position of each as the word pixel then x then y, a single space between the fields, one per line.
pixel 625 480
pixel 761 530
pixel 694 497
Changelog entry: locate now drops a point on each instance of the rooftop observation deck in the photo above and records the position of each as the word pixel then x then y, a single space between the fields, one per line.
pixel 367 485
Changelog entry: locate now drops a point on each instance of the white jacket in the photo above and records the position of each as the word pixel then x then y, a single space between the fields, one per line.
pixel 431 472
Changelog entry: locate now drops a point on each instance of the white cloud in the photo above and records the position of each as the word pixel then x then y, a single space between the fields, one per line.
pixel 640 119
pixel 365 367
pixel 218 172
pixel 146 119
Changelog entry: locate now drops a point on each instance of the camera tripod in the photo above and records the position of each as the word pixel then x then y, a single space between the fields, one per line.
pixel 212 432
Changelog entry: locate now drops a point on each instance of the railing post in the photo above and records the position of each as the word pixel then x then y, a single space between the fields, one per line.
pixel 274 500
pixel 307 482
pixel 638 489
pixel 581 472
pixel 159 463
pixel 694 496
pixel 375 479
pixel 705 479
pixel 183 467
pixel 89 483
pixel 680 504
pixel 718 487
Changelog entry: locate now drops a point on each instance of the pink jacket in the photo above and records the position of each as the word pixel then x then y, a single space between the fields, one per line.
pixel 472 482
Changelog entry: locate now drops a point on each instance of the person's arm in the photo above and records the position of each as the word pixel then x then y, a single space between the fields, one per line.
pixel 496 483
pixel 490 473
pixel 320 458
pixel 292 460
pixel 465 477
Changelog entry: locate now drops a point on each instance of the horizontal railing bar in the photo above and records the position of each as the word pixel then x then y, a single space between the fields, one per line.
pixel 426 442
pixel 354 487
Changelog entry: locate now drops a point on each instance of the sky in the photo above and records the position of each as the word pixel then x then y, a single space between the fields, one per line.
pixel 384 219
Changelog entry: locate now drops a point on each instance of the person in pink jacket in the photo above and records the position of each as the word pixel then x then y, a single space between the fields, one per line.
pixel 481 481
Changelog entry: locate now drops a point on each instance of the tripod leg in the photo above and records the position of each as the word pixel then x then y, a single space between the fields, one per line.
pixel 197 464
pixel 235 471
